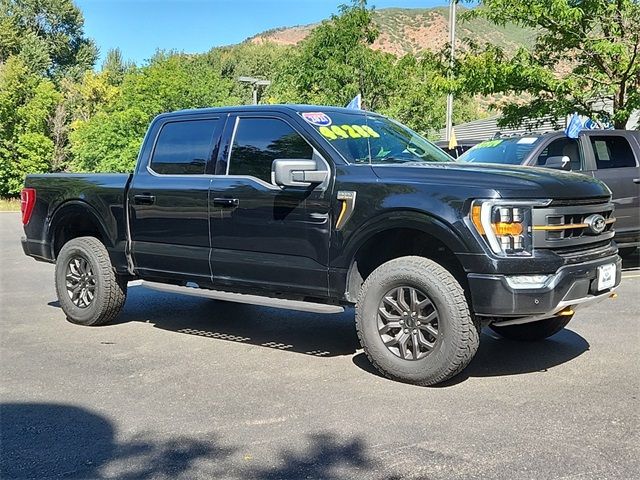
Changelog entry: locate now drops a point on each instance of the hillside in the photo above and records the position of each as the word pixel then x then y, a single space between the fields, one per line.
pixel 411 30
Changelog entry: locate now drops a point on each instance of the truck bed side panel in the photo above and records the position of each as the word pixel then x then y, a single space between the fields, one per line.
pixel 101 197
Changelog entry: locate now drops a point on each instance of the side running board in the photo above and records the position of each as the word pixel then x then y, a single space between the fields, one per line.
pixel 241 297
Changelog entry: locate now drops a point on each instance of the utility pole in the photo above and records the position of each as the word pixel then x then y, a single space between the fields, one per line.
pixel 452 42
pixel 255 83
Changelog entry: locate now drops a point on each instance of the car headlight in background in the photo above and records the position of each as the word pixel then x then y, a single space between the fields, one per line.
pixel 505 225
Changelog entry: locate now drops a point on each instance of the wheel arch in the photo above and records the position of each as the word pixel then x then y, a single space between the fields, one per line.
pixel 76 218
pixel 402 233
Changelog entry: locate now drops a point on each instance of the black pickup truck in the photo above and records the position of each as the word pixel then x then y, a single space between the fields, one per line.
pixel 319 208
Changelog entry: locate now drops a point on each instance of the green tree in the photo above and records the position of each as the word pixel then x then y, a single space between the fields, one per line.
pixel 336 62
pixel 262 61
pixel 114 66
pixel 110 138
pixel 586 58
pixel 47 35
pixel 27 104
pixel 419 97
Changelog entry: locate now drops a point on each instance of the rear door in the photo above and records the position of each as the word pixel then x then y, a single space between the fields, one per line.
pixel 263 236
pixel 169 199
pixel 617 165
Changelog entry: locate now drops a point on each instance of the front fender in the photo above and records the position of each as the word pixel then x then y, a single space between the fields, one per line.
pixel 412 219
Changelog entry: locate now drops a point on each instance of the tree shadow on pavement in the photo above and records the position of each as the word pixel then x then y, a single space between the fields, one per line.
pixel 321 335
pixel 47 440
pixel 42 440
pixel 498 356
pixel 326 457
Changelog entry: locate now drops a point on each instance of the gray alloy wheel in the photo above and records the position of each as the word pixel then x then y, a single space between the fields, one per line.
pixel 81 281
pixel 408 323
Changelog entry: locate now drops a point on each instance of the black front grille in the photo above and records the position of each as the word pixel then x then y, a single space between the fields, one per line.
pixel 572 222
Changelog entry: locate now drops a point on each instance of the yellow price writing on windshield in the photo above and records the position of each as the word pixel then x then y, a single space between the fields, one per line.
pixel 336 132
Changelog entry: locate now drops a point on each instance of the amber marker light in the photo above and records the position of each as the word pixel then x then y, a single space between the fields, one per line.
pixel 502 228
pixel 476 211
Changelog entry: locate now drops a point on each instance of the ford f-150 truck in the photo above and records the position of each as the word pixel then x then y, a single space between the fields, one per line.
pixel 319 208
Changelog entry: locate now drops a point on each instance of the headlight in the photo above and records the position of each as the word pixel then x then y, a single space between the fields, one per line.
pixel 505 225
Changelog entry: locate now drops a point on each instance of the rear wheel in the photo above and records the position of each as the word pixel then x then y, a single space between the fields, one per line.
pixel 413 322
pixel 531 332
pixel 89 290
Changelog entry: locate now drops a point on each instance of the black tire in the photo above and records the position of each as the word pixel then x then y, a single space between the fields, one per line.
pixel 457 335
pixel 109 289
pixel 534 331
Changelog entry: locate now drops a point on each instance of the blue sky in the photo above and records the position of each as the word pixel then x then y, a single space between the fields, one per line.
pixel 139 27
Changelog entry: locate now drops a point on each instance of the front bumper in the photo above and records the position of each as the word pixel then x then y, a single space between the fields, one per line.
pixel 570 286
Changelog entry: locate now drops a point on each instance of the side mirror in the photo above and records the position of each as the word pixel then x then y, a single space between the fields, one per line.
pixel 559 163
pixel 297 173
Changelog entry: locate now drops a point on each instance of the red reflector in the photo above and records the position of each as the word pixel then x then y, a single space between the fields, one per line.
pixel 27 202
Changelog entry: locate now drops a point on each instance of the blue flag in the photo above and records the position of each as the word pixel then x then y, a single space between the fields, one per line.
pixel 591 125
pixel 574 126
pixel 356 103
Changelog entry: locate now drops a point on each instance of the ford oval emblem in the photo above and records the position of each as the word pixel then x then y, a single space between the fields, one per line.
pixel 596 223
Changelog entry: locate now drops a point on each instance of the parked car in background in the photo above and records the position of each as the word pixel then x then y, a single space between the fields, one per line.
pixel 463 146
pixel 612 156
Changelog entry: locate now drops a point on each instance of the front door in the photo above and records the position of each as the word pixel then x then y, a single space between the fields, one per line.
pixel 263 236
pixel 563 147
pixel 169 200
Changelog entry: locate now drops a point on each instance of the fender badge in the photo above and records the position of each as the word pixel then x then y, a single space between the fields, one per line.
pixel 348 203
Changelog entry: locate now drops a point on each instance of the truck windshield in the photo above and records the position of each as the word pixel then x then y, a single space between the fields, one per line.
pixel 367 138
pixel 509 151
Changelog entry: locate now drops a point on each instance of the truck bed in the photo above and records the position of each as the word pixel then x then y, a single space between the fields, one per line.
pixel 63 194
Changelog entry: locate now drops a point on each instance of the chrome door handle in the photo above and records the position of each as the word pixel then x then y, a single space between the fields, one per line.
pixel 226 202
pixel 144 199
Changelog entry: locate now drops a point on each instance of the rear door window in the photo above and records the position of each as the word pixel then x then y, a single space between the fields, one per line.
pixel 257 142
pixel 184 148
pixel 612 152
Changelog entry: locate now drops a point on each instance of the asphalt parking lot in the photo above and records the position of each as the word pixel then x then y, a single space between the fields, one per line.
pixel 183 387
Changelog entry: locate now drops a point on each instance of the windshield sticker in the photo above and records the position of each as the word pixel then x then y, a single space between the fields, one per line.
pixel 528 140
pixel 336 132
pixel 488 144
pixel 317 118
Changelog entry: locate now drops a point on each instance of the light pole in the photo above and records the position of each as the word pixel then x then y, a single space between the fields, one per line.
pixel 452 42
pixel 255 84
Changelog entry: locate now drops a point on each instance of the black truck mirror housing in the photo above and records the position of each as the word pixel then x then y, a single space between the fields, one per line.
pixel 559 163
pixel 297 173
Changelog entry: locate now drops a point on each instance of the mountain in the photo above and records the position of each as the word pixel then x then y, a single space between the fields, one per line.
pixel 412 30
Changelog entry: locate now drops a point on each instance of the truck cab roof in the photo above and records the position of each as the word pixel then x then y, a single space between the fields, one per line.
pixel 284 108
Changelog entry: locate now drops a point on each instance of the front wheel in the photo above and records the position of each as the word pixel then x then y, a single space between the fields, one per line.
pixel 413 322
pixel 534 331
pixel 89 290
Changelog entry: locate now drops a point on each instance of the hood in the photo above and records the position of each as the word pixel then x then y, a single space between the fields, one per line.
pixel 506 181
